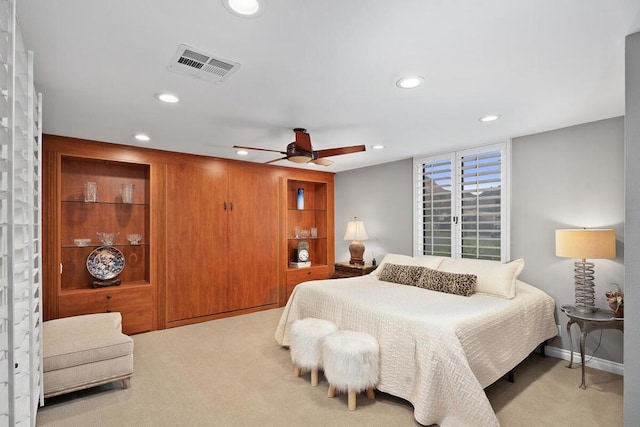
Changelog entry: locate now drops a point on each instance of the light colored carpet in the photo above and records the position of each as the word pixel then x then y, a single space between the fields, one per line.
pixel 231 372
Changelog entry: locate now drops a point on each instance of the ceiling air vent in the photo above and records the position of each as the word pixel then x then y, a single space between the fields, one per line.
pixel 200 65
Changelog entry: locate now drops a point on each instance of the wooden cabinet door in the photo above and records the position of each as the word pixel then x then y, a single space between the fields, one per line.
pixel 196 239
pixel 135 307
pixel 253 239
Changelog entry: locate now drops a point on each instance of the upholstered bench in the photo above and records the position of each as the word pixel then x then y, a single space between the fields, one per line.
pixel 85 351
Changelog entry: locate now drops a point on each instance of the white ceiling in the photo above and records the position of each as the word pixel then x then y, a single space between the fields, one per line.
pixel 329 66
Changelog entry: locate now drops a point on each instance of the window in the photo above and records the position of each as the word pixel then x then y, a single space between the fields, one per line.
pixel 461 205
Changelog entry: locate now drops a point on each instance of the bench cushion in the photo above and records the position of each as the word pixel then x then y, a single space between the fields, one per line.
pixel 79 340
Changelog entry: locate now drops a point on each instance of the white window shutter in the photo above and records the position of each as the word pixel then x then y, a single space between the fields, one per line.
pixel 433 206
pixel 472 184
pixel 20 231
pixel 479 203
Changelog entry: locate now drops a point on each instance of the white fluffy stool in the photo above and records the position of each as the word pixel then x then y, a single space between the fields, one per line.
pixel 350 363
pixel 306 351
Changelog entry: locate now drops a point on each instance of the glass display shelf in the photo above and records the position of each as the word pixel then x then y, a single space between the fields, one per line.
pixel 307 238
pixel 82 202
pixel 97 245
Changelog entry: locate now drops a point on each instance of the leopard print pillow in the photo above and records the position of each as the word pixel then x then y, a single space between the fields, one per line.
pixel 403 274
pixel 451 283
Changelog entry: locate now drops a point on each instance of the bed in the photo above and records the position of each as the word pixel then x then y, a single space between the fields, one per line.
pixel 437 350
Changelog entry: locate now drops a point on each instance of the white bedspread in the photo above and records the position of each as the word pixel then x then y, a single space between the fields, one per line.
pixel 438 351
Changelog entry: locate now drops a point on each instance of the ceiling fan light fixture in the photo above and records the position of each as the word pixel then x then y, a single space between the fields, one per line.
pixel 409 82
pixel 245 8
pixel 299 158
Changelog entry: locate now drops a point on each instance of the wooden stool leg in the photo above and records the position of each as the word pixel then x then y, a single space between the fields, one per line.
pixel 314 377
pixel 332 391
pixel 352 400
pixel 296 371
pixel 370 394
pixel 126 382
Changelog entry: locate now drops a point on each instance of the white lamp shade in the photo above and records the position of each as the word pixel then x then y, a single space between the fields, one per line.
pixel 355 231
pixel 586 243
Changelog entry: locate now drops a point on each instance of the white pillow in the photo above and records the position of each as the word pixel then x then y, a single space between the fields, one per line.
pixel 494 277
pixel 423 261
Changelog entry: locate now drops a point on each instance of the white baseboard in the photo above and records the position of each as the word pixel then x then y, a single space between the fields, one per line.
pixel 592 362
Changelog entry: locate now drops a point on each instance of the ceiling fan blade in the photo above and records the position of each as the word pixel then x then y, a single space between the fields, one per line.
pixel 322 162
pixel 275 160
pixel 303 140
pixel 338 151
pixel 259 149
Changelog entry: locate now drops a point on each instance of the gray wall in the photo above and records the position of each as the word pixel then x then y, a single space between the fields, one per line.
pixel 381 197
pixel 570 177
pixel 632 232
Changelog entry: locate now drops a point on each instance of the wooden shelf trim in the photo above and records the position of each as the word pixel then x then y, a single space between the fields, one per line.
pixel 137 284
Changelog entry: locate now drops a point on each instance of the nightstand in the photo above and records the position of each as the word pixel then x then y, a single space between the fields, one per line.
pixel 587 322
pixel 344 269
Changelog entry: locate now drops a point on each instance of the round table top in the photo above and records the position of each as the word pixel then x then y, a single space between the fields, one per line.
pixel 600 315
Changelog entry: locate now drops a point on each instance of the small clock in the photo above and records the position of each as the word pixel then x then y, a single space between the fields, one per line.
pixel 301 253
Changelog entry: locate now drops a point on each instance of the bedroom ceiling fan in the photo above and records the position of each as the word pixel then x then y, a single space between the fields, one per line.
pixel 301 151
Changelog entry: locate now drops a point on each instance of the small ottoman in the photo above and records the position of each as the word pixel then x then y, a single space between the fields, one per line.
pixel 306 351
pixel 350 363
pixel 85 351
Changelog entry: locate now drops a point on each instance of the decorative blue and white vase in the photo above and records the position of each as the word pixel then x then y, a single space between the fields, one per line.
pixel 300 199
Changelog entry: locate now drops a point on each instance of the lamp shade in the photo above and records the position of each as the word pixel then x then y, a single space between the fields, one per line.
pixel 355 231
pixel 586 243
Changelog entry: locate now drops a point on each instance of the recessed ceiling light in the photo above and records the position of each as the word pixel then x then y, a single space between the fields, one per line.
pixel 245 8
pixel 409 82
pixel 489 118
pixel 167 97
pixel 142 137
pixel 377 147
pixel 242 153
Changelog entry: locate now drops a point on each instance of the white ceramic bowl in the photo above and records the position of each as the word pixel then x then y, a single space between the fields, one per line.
pixel 81 242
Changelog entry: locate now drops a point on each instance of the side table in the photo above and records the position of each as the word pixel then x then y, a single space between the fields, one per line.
pixel 587 322
pixel 344 269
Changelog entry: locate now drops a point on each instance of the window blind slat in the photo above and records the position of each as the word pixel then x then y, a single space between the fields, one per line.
pixel 489 162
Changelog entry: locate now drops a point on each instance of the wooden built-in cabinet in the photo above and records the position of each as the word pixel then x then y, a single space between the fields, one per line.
pixel 316 212
pixel 82 220
pixel 222 232
pixel 218 234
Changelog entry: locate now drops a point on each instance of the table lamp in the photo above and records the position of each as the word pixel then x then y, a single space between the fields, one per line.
pixel 356 233
pixel 583 244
